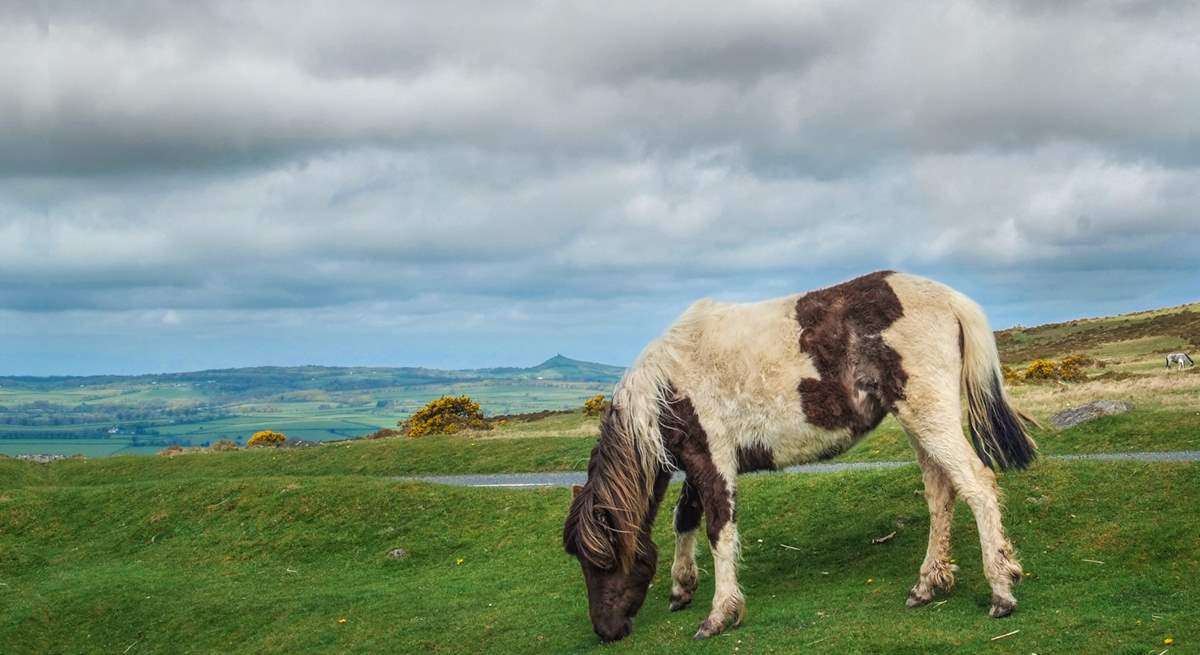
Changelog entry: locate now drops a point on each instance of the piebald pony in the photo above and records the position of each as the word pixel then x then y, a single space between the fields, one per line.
pixel 731 388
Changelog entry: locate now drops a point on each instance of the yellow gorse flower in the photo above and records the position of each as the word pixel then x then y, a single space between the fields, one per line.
pixel 266 438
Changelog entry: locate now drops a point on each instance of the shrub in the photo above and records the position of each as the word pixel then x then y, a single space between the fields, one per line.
pixel 1070 368
pixel 266 438
pixel 1067 369
pixel 1010 376
pixel 1039 369
pixel 595 406
pixel 224 444
pixel 446 415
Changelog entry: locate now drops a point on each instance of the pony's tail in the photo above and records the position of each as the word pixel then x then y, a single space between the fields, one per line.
pixel 998 430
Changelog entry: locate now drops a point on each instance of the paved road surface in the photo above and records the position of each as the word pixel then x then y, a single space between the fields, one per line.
pixel 567 478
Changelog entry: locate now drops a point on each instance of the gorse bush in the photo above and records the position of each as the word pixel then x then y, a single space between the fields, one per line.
pixel 446 415
pixel 1067 369
pixel 1040 369
pixel 266 438
pixel 595 406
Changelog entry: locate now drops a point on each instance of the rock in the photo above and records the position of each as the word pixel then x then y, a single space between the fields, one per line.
pixel 397 553
pixel 1089 412
pixel 299 443
pixel 41 459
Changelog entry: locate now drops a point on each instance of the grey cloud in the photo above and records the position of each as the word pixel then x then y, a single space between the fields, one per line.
pixel 421 168
pixel 827 88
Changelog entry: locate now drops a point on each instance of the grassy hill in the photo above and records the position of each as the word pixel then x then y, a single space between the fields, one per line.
pixel 1156 332
pixel 287 563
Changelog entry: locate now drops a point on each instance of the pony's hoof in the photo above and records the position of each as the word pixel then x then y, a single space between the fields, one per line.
pixel 708 629
pixel 715 626
pixel 917 600
pixel 1002 607
pixel 679 602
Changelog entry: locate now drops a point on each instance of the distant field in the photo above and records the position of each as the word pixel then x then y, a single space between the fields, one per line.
pixel 337 416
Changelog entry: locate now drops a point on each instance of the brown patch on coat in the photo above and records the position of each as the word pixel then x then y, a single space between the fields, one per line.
pixel 861 377
pixel 755 458
pixel 687 442
pixel 688 509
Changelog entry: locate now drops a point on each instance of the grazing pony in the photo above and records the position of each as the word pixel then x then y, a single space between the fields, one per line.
pixel 731 388
pixel 1180 360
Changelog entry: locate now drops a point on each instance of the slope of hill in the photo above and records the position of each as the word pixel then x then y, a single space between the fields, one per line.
pixel 308 564
pixel 1154 331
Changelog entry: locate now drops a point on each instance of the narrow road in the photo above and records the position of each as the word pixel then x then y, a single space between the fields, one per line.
pixel 568 478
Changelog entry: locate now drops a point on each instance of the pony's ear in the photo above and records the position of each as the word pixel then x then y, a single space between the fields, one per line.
pixel 575 489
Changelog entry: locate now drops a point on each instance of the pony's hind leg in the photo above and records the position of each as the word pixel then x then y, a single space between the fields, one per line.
pixel 687 522
pixel 937 573
pixel 932 414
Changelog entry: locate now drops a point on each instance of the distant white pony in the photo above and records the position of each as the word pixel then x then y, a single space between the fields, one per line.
pixel 1179 360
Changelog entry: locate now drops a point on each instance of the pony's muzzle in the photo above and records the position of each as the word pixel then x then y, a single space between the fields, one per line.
pixel 614 630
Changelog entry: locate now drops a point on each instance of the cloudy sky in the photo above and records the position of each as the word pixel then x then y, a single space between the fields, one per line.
pixel 202 184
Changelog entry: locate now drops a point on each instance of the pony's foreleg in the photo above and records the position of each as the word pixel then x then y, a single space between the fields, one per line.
pixel 687 522
pixel 937 573
pixel 729 605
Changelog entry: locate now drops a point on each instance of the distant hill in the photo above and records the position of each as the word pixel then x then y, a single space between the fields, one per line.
pixel 260 380
pixel 558 368
pixel 1157 331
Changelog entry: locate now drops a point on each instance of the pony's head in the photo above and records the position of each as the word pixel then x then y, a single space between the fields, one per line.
pixel 608 529
pixel 615 588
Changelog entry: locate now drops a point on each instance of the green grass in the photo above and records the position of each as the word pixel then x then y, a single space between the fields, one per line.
pixel 270 564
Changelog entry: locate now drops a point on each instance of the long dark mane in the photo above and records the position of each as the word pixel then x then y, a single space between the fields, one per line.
pixel 609 513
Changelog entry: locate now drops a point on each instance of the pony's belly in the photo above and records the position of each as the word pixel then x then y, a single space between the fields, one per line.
pixel 808 444
pixel 784 432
